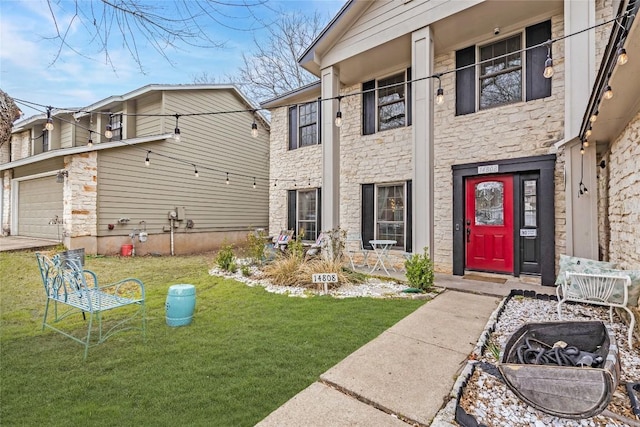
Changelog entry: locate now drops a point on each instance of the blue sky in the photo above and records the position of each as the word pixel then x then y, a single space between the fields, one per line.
pixel 26 55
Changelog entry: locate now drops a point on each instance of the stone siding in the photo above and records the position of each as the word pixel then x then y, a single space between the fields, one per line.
pixel 289 169
pixel 624 197
pixel 80 195
pixel 20 145
pixel 6 201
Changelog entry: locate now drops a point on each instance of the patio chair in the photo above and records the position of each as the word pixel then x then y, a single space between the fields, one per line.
pixel 314 250
pixel 283 239
pixel 353 247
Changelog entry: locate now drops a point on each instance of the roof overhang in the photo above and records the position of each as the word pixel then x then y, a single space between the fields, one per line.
pixel 615 114
pixel 302 94
pixel 84 149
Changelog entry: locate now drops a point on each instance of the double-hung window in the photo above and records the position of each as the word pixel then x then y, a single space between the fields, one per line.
pixel 304 120
pixel 303 213
pixel 386 213
pixel 386 103
pixel 116 126
pixel 503 72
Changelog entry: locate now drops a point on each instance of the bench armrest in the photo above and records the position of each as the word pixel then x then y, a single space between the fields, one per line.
pixel 129 288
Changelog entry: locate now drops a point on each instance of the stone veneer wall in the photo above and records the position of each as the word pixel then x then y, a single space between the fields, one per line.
pixel 80 196
pixel 624 197
pixel 6 177
pixel 21 145
pixel 289 169
pixel 506 132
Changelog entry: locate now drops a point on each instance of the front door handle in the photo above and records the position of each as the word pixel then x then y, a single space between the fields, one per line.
pixel 468 235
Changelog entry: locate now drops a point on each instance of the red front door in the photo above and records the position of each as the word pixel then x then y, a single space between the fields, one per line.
pixel 489 223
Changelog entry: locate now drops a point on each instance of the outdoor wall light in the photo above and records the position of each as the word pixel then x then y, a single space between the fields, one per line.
pixel 61 175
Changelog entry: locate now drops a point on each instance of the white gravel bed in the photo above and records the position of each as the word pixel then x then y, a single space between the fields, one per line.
pixel 373 288
pixel 492 403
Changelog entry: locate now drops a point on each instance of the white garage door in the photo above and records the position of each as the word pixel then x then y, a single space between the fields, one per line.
pixel 39 203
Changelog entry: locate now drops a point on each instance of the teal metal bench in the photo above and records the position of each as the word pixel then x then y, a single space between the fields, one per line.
pixel 70 289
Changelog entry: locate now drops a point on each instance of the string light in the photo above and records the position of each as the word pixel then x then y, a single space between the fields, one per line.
pixel 594 117
pixel 254 182
pixel 339 114
pixel 108 133
pixel 254 126
pixel 195 171
pixel 582 148
pixel 49 125
pixel 608 92
pixel 588 133
pixel 548 64
pixel 582 189
pixel 146 160
pixel 439 92
pixel 227 178
pixel 90 142
pixel 275 183
pixel 176 131
pixel 585 143
pixel 622 56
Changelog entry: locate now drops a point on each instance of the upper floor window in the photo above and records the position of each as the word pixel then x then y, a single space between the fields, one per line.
pixel 116 126
pixel 303 125
pixel 501 73
pixel 505 73
pixel 386 103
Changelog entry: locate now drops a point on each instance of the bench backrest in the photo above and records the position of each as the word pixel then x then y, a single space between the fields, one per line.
pixel 610 289
pixel 61 277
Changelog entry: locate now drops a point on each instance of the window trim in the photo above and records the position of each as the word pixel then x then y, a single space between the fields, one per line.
pixel 371 105
pixel 399 245
pixel 294 145
pixel 522 69
pixel 293 223
pixel 118 130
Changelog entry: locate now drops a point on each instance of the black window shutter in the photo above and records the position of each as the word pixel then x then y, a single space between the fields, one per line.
pixel 291 210
pixel 465 81
pixel 293 127
pixel 368 212
pixel 369 108
pixel 319 209
pixel 408 239
pixel 319 121
pixel 537 85
pixel 409 95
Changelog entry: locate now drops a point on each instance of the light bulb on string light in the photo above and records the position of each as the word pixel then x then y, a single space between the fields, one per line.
pixel 49 125
pixel 548 63
pixel 585 143
pixel 608 92
pixel 146 160
pixel 588 133
pixel 338 120
pixel 176 131
pixel 582 148
pixel 108 132
pixel 594 117
pixel 254 182
pixel 254 129
pixel 90 142
pixel 622 56
pixel 227 181
pixel 195 172
pixel 439 92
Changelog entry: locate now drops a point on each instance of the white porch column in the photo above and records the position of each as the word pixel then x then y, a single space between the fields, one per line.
pixel 580 72
pixel 422 129
pixel 330 150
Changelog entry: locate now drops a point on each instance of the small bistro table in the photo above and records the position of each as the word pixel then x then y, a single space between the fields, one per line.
pixel 381 249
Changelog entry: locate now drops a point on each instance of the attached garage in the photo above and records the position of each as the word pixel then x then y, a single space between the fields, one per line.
pixel 40 208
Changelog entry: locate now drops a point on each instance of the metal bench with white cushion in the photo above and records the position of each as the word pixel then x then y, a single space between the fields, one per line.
pixel 601 289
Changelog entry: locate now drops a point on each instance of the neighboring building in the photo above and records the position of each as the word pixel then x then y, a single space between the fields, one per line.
pixel 488 179
pixel 56 185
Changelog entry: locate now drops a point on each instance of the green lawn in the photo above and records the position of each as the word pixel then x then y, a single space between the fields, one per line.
pixel 245 353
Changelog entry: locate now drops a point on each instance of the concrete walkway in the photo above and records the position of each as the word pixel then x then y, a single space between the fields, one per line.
pixel 18 243
pixel 405 375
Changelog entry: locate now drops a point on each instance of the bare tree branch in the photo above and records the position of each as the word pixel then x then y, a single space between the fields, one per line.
pixel 162 25
pixel 9 112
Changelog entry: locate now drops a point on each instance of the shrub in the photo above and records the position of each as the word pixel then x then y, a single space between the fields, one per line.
pixel 225 259
pixel 255 245
pixel 245 270
pixel 420 271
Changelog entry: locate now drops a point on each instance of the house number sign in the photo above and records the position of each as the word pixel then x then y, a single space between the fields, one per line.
pixel 528 232
pixel 487 169
pixel 324 278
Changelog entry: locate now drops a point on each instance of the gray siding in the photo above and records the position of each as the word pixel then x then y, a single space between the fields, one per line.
pixel 144 125
pixel 39 167
pixel 126 188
